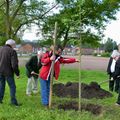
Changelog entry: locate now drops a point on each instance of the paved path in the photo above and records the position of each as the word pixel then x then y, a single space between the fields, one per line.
pixel 87 63
pixel 94 63
pixel 91 63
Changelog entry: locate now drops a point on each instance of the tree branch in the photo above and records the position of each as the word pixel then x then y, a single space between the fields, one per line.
pixel 2 4
pixel 18 8
pixel 22 24
pixel 49 10
pixel 7 19
pixel 35 18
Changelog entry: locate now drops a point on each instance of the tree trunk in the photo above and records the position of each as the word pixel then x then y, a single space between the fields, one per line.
pixel 66 37
pixel 7 19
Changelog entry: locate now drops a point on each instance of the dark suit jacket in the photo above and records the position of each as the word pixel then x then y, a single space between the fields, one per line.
pixel 117 69
pixel 109 65
pixel 33 65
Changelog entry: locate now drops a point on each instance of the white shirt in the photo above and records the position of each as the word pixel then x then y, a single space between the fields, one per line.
pixel 112 68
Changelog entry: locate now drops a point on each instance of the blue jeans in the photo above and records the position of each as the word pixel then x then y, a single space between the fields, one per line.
pixel 45 90
pixel 11 83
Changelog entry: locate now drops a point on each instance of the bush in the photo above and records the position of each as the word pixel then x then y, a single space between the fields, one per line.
pixel 94 54
pixel 105 54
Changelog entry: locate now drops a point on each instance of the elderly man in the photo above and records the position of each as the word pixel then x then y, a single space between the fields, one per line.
pixel 111 70
pixel 32 71
pixel 116 76
pixel 8 66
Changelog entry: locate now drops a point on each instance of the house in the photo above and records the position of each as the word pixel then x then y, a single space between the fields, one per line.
pixel 27 48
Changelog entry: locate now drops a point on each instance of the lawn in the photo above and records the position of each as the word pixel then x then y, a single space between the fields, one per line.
pixel 33 110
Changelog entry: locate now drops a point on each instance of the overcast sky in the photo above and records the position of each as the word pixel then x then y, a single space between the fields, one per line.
pixel 112 30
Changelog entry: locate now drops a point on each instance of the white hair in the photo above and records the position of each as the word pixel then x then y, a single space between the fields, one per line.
pixel 115 53
pixel 39 52
pixel 10 42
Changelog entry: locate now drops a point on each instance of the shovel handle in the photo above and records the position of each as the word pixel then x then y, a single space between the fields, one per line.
pixel 104 82
pixel 36 74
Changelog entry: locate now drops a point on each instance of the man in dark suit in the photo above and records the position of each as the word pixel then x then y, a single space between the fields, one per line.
pixel 8 66
pixel 117 76
pixel 111 70
pixel 32 70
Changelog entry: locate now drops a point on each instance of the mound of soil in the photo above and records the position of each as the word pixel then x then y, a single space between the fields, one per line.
pixel 94 109
pixel 93 90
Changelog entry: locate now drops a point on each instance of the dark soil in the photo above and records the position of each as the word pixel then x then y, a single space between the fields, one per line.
pixel 94 109
pixel 93 90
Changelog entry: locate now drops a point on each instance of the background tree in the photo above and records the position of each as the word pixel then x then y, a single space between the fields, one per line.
pixel 95 15
pixel 18 15
pixel 110 45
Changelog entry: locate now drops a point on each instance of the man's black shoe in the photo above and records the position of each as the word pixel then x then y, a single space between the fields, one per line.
pixel 16 104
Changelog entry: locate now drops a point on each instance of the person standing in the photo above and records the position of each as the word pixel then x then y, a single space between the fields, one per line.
pixel 45 71
pixel 32 71
pixel 117 76
pixel 111 70
pixel 8 66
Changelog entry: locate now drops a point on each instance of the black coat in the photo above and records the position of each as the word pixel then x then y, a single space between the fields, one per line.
pixel 117 69
pixel 8 61
pixel 33 65
pixel 109 65
pixel 109 68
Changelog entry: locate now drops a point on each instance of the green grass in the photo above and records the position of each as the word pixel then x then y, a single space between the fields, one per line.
pixel 33 110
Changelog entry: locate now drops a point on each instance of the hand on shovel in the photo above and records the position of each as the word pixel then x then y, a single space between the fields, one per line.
pixel 33 73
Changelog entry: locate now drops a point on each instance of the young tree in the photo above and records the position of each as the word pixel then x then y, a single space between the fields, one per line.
pixel 95 15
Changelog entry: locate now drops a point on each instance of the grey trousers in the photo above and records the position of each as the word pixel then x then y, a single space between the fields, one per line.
pixel 32 85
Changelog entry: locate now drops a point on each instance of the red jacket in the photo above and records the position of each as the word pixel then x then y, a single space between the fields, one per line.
pixel 46 68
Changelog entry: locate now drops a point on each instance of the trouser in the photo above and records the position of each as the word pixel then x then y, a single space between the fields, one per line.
pixel 45 90
pixel 114 85
pixel 117 85
pixel 111 85
pixel 32 85
pixel 11 83
pixel 118 99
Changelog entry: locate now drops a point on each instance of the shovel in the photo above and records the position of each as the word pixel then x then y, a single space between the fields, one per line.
pixel 104 82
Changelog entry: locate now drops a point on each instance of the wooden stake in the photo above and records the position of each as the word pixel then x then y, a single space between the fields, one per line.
pixel 52 66
pixel 79 70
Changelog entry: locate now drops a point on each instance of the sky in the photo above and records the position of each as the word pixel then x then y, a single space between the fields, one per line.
pixel 112 30
pixel 31 34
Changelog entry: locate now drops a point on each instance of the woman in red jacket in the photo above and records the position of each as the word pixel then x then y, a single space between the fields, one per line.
pixel 46 70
